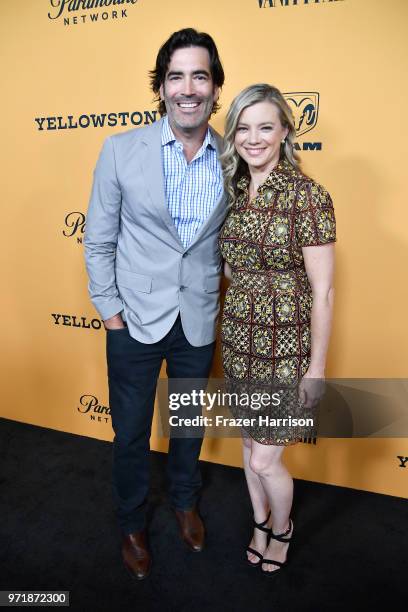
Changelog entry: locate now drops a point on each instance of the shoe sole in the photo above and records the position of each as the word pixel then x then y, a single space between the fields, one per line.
pixel 277 571
pixel 133 575
pixel 194 550
pixel 254 564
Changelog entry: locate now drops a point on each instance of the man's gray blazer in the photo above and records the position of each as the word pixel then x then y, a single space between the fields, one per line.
pixel 135 260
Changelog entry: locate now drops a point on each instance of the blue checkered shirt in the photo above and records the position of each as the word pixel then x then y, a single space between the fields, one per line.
pixel 192 189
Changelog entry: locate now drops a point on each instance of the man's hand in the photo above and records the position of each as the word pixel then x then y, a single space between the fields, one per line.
pixel 115 322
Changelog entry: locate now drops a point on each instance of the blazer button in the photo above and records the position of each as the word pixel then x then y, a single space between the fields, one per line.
pixel 182 287
pixel 185 254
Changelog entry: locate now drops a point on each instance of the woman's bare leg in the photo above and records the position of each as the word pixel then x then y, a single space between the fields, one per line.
pixel 265 463
pixel 260 503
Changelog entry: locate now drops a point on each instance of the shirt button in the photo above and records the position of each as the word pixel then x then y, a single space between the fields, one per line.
pixel 182 287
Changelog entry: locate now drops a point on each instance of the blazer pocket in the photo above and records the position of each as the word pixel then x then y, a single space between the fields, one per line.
pixel 212 284
pixel 134 281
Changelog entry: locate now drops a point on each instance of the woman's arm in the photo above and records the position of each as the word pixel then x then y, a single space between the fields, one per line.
pixel 319 264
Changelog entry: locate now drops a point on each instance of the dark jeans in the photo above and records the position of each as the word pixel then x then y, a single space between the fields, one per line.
pixel 133 370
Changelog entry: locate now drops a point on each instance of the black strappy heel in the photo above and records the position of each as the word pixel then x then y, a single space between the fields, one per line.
pixel 267 530
pixel 281 537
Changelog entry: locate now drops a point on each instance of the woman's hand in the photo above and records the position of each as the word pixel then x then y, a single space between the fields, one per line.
pixel 311 390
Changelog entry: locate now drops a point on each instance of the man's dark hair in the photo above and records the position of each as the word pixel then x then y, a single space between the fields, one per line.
pixel 180 40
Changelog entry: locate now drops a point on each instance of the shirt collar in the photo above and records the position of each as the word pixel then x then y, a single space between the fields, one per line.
pixel 277 179
pixel 168 137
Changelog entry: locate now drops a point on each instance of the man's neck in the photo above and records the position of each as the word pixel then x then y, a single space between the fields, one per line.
pixel 191 140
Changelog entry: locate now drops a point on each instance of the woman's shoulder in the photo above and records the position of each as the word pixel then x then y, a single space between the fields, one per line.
pixel 294 176
pixel 314 190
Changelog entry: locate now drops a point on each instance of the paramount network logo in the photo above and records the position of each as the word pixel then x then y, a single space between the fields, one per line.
pixel 74 225
pixel 65 8
pixel 89 404
pixel 305 109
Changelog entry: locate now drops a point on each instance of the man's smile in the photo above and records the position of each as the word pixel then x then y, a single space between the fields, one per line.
pixel 188 105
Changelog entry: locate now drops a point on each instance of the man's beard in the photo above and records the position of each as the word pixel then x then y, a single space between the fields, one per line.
pixel 187 121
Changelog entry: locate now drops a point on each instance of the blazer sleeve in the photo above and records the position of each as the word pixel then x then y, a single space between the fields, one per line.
pixel 101 234
pixel 315 222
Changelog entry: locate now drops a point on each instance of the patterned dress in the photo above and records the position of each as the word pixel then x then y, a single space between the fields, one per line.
pixel 266 319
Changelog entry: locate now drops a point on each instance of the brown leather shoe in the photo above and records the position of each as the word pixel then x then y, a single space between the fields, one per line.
pixel 191 529
pixel 136 555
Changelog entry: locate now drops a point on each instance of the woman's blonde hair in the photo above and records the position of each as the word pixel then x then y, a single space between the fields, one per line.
pixel 234 167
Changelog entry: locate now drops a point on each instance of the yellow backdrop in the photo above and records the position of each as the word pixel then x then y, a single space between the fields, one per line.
pixel 72 75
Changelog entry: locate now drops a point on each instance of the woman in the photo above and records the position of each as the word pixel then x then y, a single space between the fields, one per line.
pixel 277 242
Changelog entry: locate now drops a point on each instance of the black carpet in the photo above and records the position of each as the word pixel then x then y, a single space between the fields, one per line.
pixel 58 531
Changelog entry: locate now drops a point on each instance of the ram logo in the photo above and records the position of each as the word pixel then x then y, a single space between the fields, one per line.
pixel 305 109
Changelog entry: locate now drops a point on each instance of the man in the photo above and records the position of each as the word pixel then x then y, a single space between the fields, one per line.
pixel 154 269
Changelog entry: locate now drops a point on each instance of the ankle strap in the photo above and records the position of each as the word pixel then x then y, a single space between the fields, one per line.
pixel 281 537
pixel 261 526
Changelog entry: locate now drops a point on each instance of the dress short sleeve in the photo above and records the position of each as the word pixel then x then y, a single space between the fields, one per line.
pixel 315 223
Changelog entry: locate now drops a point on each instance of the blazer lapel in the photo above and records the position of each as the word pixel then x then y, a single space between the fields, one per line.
pixel 152 168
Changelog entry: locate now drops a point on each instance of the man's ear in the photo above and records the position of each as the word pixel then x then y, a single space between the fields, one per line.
pixel 217 91
pixel 161 92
